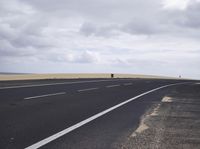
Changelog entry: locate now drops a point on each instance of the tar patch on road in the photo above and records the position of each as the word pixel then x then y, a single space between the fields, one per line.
pixel 172 123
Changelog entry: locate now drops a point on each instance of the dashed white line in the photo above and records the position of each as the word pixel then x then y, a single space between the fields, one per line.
pixel 58 83
pixel 116 85
pixel 69 129
pixel 46 95
pixel 197 83
pixel 49 84
pixel 87 89
pixel 126 84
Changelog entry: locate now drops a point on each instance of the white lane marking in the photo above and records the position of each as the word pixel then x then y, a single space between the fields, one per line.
pixel 69 129
pixel 197 83
pixel 126 84
pixel 116 85
pixel 87 89
pixel 48 84
pixel 47 95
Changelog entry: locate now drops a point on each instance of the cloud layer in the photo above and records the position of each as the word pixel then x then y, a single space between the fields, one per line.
pixel 125 36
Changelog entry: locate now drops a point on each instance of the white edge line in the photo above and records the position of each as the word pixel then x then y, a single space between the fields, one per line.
pixel 69 129
pixel 88 89
pixel 109 86
pixel 47 95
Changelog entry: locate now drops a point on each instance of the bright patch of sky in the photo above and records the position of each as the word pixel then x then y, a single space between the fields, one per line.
pixel 176 4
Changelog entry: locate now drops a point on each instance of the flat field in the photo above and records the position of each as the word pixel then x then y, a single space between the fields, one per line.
pixel 74 76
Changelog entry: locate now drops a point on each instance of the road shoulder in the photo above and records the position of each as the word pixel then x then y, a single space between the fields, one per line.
pixel 172 123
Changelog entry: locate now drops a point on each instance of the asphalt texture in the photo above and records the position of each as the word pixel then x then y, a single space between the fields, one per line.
pixel 31 111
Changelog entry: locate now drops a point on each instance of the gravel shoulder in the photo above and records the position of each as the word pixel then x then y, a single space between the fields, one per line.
pixel 172 123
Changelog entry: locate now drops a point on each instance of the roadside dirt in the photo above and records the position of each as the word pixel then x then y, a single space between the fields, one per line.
pixel 174 123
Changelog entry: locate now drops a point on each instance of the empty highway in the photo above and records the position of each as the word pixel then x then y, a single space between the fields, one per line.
pixel 78 113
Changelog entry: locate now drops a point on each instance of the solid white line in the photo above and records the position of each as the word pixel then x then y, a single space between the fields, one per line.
pixel 126 84
pixel 48 84
pixel 47 95
pixel 67 130
pixel 109 86
pixel 87 89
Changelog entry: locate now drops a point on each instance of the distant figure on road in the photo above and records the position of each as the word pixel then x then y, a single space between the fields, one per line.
pixel 179 76
pixel 112 75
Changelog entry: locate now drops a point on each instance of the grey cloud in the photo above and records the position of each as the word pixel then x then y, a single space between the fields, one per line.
pixel 133 17
pixel 182 23
pixel 20 31
pixel 60 31
pixel 7 32
pixel 85 57
pixel 191 16
pixel 141 27
pixel 98 8
pixel 89 29
pixel 8 50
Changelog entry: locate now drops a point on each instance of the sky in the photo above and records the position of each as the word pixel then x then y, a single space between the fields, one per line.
pixel 157 37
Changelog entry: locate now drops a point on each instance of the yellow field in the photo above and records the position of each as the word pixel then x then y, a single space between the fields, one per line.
pixel 75 75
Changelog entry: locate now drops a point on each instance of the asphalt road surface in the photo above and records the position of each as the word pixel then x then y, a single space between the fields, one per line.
pixel 81 113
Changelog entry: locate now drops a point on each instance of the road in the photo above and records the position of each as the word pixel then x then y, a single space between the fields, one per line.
pixel 79 113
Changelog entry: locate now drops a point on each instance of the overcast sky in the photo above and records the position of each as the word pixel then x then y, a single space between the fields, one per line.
pixel 160 37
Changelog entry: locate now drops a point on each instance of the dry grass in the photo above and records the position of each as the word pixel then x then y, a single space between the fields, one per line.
pixel 74 75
